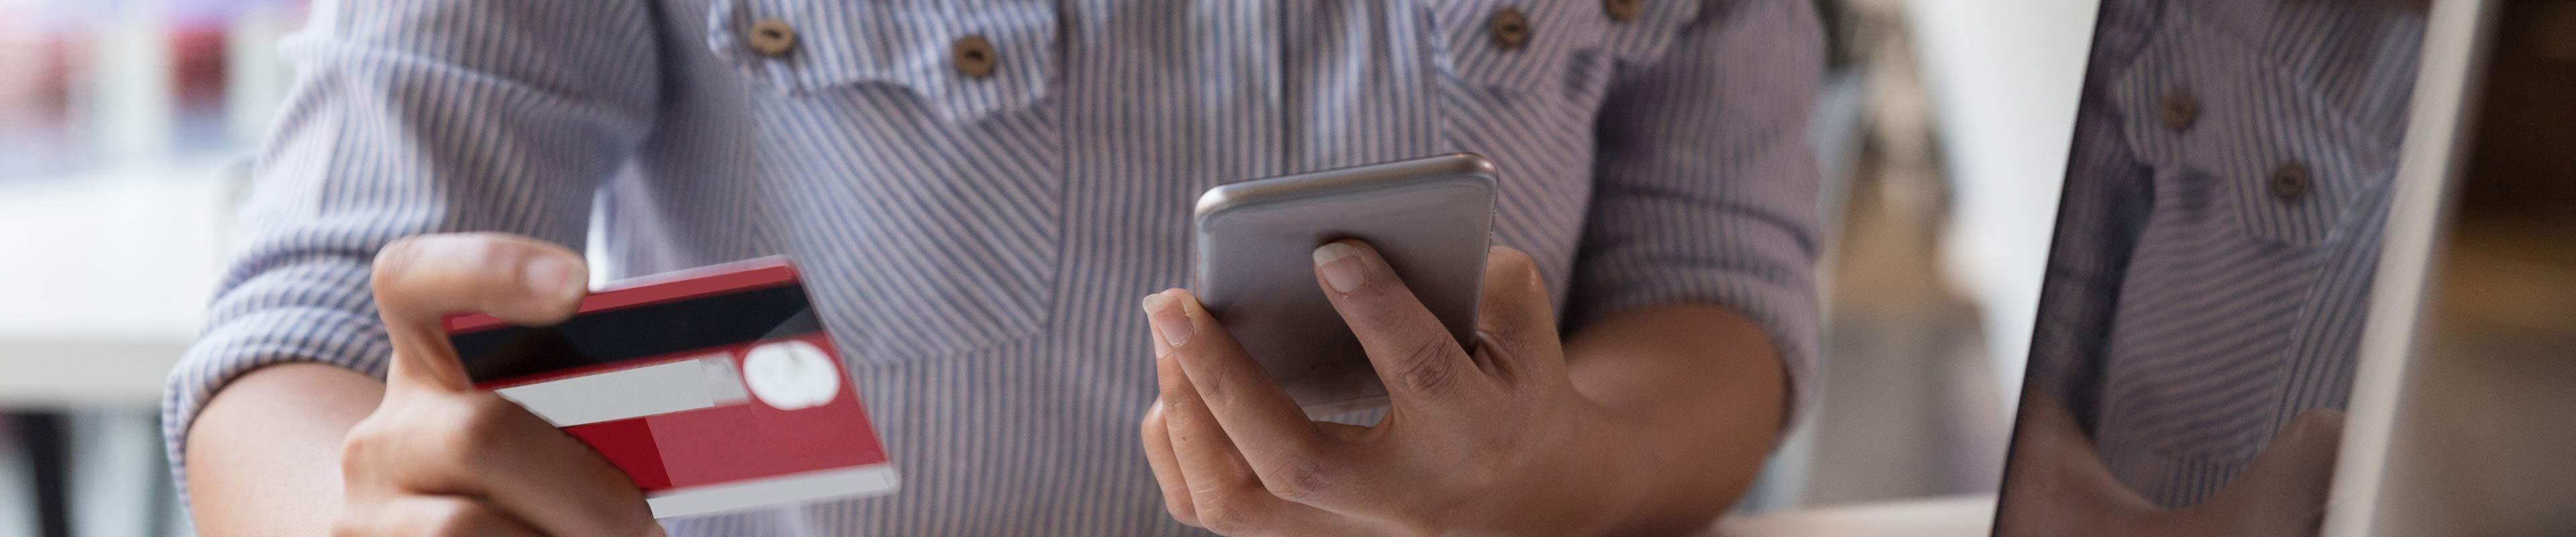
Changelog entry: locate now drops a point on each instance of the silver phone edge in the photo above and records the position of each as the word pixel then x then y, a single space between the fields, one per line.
pixel 1337 180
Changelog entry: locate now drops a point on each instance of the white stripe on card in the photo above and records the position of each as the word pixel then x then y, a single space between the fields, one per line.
pixel 662 388
pixel 788 489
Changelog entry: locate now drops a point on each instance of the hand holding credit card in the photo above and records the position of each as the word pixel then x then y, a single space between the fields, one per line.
pixel 435 454
pixel 713 389
pixel 439 454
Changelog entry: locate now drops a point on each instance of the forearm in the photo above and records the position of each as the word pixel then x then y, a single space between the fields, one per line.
pixel 1700 393
pixel 263 457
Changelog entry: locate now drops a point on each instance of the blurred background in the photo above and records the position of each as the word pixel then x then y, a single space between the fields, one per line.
pixel 126 127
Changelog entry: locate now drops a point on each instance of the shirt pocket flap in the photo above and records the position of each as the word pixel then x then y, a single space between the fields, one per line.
pixel 2282 159
pixel 913 44
pixel 1538 45
pixel 2292 179
pixel 1643 38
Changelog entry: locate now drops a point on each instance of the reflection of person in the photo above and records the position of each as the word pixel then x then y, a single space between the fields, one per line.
pixel 977 193
pixel 2224 201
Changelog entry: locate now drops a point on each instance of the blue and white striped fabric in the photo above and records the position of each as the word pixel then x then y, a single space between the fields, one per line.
pixel 977 245
pixel 2194 303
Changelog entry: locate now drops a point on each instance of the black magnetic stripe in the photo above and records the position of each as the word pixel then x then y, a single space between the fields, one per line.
pixel 638 332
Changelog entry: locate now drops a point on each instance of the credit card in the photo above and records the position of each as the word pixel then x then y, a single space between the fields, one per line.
pixel 715 389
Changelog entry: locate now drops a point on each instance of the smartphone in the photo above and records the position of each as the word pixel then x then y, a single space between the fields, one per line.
pixel 1432 218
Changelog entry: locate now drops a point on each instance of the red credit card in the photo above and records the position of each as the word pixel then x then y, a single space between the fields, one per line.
pixel 715 389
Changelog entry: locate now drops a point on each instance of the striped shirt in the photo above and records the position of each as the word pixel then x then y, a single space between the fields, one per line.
pixel 976 241
pixel 2222 214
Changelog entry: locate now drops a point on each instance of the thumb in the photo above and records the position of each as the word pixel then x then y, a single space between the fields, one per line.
pixel 2059 460
pixel 419 281
pixel 2283 491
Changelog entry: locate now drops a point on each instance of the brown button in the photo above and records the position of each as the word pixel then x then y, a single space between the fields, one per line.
pixel 2291 183
pixel 2180 110
pixel 772 38
pixel 1511 29
pixel 973 56
pixel 1624 10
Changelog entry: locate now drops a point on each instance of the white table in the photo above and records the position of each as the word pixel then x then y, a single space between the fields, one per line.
pixel 2003 77
pixel 104 281
pixel 1959 516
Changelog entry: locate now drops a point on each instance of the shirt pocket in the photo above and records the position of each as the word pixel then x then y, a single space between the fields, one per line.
pixel 1529 97
pixel 924 194
pixel 2275 159
pixel 2260 181
pixel 1564 49
pixel 2293 180
pixel 917 45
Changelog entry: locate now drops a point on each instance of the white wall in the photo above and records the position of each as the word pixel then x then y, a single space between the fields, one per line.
pixel 2003 76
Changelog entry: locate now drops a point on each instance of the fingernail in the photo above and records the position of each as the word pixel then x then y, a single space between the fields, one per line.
pixel 1164 312
pixel 554 277
pixel 1341 266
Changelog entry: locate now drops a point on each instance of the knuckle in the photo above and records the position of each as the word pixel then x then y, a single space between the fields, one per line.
pixel 1215 389
pixel 1230 514
pixel 427 256
pixel 1181 511
pixel 1228 525
pixel 477 430
pixel 1153 428
pixel 393 260
pixel 456 517
pixel 1301 479
pixel 1426 369
pixel 1179 401
pixel 372 442
pixel 358 449
pixel 349 524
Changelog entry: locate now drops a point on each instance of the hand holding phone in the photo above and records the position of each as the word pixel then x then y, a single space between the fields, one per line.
pixel 1431 218
pixel 1490 441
